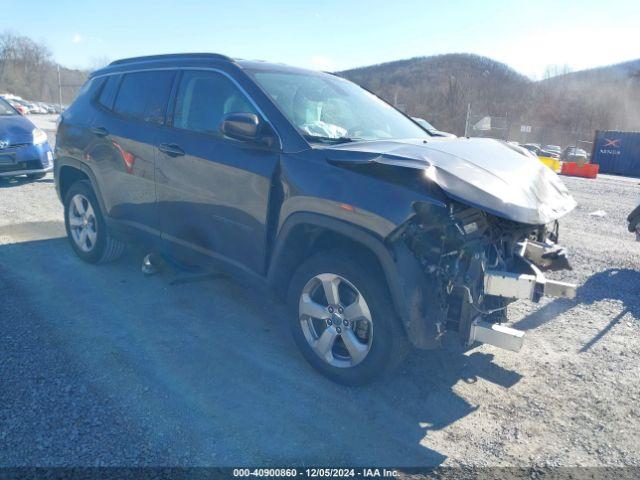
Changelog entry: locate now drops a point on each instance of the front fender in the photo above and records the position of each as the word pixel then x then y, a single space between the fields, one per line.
pixel 406 281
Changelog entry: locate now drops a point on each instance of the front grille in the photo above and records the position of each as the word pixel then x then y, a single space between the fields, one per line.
pixel 13 147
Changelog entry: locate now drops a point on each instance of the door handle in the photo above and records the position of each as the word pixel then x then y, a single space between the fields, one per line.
pixel 171 149
pixel 100 131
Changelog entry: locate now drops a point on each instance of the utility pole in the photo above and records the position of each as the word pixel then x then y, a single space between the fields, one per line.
pixel 59 89
pixel 466 122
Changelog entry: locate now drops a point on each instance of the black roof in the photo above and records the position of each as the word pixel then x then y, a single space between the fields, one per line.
pixel 120 65
pixel 173 56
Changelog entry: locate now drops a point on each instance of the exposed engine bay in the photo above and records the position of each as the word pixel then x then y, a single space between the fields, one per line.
pixel 478 263
pixel 482 240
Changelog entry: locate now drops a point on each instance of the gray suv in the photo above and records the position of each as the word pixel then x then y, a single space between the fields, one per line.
pixel 380 235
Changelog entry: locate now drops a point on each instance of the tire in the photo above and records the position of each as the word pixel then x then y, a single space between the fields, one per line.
pixel 99 245
pixel 36 176
pixel 380 331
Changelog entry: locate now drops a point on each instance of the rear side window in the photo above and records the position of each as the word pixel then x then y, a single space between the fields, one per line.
pixel 143 96
pixel 203 98
pixel 108 92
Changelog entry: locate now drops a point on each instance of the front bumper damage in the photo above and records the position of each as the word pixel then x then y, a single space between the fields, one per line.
pixel 530 286
pixel 513 285
pixel 477 264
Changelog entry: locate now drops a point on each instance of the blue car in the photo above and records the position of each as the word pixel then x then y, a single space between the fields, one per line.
pixel 24 149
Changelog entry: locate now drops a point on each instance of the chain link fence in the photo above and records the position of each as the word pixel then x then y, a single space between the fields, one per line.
pixel 522 131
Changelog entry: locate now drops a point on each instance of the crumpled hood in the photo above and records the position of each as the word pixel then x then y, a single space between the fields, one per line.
pixel 494 176
pixel 16 129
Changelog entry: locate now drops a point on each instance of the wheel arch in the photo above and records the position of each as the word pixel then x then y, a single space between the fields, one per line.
pixel 303 234
pixel 68 171
pixel 68 176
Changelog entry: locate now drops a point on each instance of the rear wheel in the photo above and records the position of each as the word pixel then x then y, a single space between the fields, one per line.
pixel 86 229
pixel 343 321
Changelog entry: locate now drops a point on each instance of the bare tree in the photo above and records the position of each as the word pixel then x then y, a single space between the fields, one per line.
pixel 27 69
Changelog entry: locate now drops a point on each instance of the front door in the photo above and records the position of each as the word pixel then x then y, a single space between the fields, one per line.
pixel 213 192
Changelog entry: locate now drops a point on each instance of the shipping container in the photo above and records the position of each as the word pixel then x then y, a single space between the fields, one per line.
pixel 617 152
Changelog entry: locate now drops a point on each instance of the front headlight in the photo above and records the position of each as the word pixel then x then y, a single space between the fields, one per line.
pixel 39 137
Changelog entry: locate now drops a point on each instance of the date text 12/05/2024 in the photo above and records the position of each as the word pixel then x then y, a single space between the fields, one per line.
pixel 316 472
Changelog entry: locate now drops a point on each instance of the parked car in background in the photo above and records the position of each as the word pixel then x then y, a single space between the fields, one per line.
pixel 24 149
pixel 555 149
pixel 24 104
pixel 39 108
pixel 378 234
pixel 22 110
pixel 575 154
pixel 539 151
pixel 532 146
pixel 46 107
pixel 431 129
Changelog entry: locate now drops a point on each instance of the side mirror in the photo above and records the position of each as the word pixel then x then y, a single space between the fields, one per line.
pixel 240 126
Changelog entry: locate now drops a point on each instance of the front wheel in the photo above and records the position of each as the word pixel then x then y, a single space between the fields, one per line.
pixel 343 320
pixel 86 229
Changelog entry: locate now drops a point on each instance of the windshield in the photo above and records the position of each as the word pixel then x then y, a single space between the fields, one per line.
pixel 325 108
pixel 6 108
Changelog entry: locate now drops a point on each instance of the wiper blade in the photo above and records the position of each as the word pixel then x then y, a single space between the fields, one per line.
pixel 319 138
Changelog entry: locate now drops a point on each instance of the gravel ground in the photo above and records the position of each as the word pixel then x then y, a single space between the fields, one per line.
pixel 101 366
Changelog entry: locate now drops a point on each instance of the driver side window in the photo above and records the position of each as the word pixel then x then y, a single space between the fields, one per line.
pixel 202 100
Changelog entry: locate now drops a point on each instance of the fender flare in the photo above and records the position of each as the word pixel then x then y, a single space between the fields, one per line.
pixel 404 277
pixel 84 168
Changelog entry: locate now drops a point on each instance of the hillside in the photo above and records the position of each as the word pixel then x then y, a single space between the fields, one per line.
pixel 440 87
pixel 28 70
pixel 563 109
pixel 619 71
pixel 43 87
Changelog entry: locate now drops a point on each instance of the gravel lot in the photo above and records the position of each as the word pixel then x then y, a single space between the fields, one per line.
pixel 101 366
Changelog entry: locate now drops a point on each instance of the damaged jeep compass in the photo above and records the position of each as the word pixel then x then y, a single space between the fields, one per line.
pixel 379 235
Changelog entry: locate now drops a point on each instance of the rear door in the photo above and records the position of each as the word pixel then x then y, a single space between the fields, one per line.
pixel 213 192
pixel 131 113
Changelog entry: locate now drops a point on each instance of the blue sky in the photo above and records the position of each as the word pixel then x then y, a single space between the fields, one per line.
pixel 332 34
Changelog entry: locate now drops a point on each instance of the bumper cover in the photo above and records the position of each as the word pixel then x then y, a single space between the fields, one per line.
pixel 26 160
pixel 14 173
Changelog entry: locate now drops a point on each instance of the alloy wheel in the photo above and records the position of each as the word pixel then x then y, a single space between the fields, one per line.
pixel 336 320
pixel 82 223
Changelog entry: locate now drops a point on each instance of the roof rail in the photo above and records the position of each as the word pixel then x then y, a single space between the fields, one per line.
pixel 168 56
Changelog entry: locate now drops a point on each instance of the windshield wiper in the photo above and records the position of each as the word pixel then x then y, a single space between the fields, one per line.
pixel 319 138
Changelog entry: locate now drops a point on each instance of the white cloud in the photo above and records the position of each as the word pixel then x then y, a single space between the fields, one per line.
pixel 77 38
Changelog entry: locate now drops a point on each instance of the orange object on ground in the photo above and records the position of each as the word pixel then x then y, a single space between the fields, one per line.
pixel 588 170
